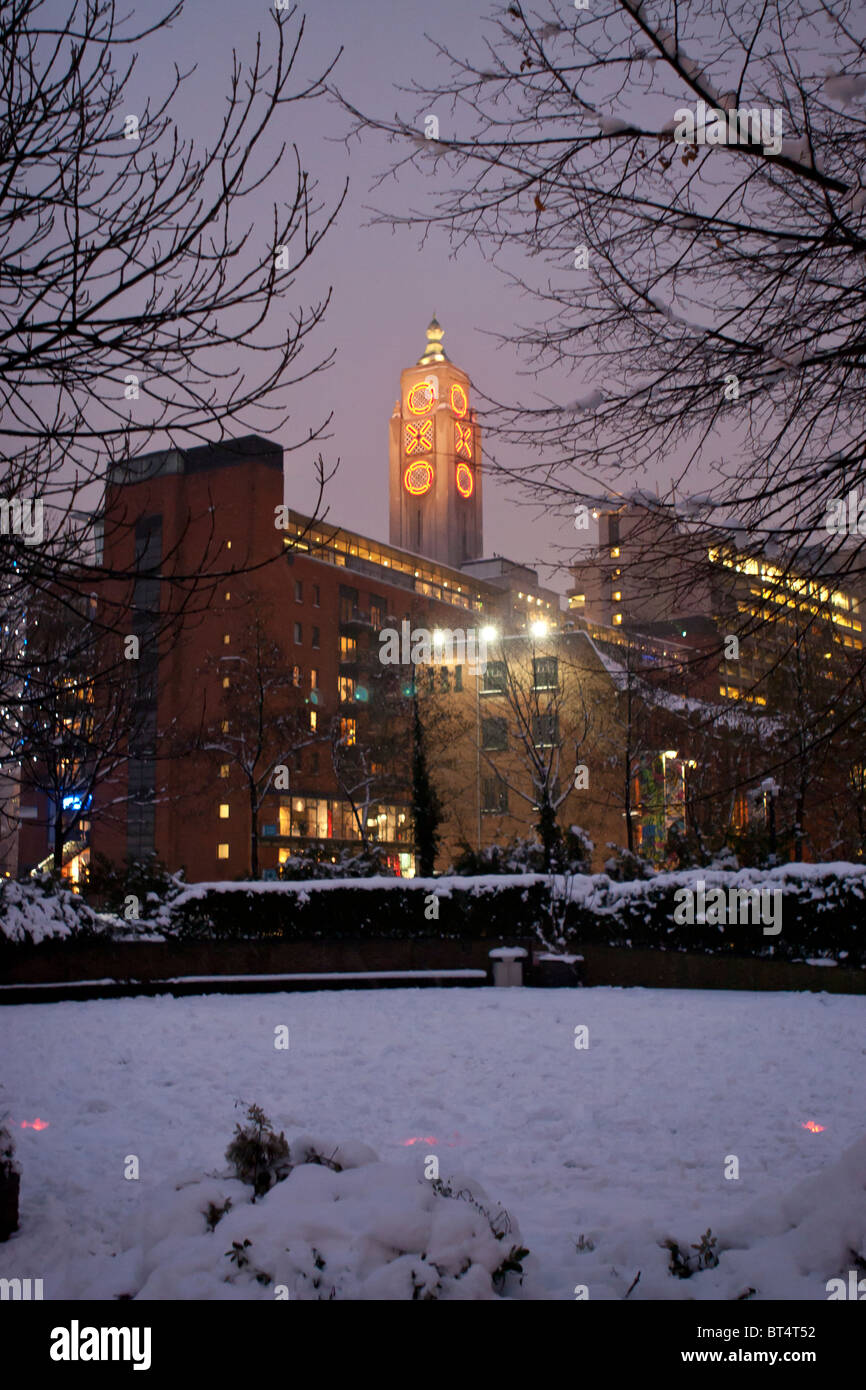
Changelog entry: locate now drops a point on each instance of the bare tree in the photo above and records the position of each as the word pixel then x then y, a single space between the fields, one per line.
pixel 147 298
pixel 68 735
pixel 535 731
pixel 718 255
pixel 260 722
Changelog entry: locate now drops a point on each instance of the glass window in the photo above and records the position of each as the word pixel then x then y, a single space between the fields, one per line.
pixel 494 795
pixel 299 591
pixel 545 673
pixel 494 734
pixel 494 679
pixel 545 730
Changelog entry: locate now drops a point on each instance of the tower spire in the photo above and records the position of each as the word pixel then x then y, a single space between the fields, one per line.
pixel 434 350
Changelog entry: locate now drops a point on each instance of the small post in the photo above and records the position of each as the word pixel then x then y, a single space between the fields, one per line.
pixel 507 965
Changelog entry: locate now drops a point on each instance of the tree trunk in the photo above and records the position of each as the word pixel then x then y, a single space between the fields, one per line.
pixel 254 836
pixel 58 840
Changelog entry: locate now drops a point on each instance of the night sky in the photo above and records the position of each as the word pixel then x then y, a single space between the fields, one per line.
pixel 385 286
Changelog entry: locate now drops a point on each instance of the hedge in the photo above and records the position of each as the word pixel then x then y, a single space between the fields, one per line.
pixel 394 908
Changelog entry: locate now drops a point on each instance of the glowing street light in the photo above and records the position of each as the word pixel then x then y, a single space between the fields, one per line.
pixel 539 629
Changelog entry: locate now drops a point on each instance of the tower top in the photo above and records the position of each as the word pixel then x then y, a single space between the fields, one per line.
pixel 434 350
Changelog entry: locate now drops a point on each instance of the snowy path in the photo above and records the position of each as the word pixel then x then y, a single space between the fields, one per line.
pixel 624 1142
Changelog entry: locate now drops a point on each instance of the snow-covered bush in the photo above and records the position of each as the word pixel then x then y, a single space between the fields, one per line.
pixel 41 909
pixel 338 1224
pixel 316 862
pixel 258 1155
pixel 390 908
pixel 572 854
pixel 139 891
pixel 625 866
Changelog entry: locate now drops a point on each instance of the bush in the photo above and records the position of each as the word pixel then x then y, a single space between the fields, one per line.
pixel 147 881
pixel 572 854
pixel 42 908
pixel 624 865
pixel 258 1155
pixel 392 908
pixel 822 914
pixel 316 863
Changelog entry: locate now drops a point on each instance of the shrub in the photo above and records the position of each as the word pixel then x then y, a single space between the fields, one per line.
pixel 624 865
pixel 259 1156
pixel 392 909
pixel 315 862
pixel 110 886
pixel 41 908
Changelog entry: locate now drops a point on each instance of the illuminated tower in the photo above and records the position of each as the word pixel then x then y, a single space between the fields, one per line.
pixel 435 460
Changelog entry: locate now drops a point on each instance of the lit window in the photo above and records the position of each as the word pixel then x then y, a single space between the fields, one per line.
pixel 418 479
pixel 222 851
pixel 418 437
pixel 226 682
pixel 226 639
pixel 314 678
pixel 465 481
pixel 228 594
pixel 314 719
pixel 614 552
pixel 420 397
pixel 224 726
pixel 228 545
pixel 224 810
pixel 617 595
pixel 617 619
pixel 224 769
pixel 463 440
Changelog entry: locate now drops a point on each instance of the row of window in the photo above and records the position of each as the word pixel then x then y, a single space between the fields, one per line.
pixel 494 733
pixel 545 675
pixel 316 591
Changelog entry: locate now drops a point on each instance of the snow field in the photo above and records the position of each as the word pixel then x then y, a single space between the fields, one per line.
pixel 624 1142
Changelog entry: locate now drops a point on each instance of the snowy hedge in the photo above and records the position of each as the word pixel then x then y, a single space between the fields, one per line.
pixel 821 910
pixel 369 907
pixel 40 911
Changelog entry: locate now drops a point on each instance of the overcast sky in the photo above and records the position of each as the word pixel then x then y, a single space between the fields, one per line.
pixel 385 287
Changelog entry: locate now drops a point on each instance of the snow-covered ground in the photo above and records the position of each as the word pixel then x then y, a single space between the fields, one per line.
pixel 623 1143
